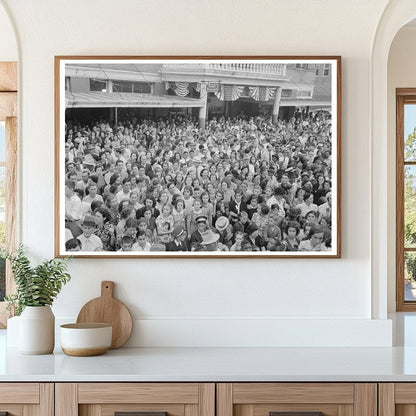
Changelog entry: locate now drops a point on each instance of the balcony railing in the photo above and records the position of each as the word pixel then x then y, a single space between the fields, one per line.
pixel 269 69
pixel 254 68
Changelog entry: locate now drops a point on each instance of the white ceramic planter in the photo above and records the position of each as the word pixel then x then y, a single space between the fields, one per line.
pixel 37 330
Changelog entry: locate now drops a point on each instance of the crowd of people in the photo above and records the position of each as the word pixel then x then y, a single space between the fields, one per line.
pixel 240 184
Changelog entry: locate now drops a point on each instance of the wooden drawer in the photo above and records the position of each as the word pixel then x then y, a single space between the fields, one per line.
pixel 27 399
pixel 105 399
pixel 331 399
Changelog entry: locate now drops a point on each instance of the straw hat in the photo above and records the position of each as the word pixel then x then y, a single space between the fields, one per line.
pixel 222 223
pixel 209 237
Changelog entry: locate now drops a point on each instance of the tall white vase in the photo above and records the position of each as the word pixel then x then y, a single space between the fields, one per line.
pixel 37 330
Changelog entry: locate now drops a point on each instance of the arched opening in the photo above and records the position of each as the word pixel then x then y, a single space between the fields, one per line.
pixel 401 124
pixel 383 110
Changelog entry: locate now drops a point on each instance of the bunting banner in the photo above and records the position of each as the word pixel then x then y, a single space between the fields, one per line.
pixel 254 93
pixel 270 93
pixel 212 87
pixel 223 92
pixel 229 92
pixel 181 88
pixel 262 93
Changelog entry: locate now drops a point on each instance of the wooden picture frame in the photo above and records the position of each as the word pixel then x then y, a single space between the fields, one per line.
pixel 224 128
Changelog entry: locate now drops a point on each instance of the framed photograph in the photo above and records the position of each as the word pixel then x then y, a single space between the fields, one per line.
pixel 198 156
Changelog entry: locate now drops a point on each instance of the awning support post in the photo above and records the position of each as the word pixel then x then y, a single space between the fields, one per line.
pixel 276 105
pixel 203 109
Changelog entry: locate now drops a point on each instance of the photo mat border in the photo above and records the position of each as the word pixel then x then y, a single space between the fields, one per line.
pixel 60 60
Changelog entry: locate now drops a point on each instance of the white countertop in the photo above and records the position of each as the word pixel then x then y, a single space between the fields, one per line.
pixel 215 364
pixel 222 364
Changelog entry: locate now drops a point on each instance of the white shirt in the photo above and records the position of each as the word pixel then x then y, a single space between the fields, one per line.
pixel 73 207
pixel 325 209
pixel 307 246
pixel 68 235
pixel 92 243
pixel 138 247
pixel 306 208
pixel 121 195
pixel 85 209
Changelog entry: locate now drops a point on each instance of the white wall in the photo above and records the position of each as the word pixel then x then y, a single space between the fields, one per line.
pixel 212 302
pixel 401 74
pixel 8 46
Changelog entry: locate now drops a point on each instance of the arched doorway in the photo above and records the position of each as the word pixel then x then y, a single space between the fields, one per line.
pixel 395 16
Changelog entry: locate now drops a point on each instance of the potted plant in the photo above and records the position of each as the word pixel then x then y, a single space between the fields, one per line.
pixel 36 289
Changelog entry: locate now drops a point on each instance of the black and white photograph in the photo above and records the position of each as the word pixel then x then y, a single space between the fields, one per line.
pixel 207 157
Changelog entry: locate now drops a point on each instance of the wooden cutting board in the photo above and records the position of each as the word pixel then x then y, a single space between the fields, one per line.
pixel 108 310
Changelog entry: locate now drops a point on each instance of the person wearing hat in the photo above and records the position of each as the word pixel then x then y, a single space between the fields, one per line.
pixel 70 168
pixel 179 241
pixel 89 160
pixel 201 227
pixel 89 241
pixel 221 224
pixel 78 146
pixel 210 242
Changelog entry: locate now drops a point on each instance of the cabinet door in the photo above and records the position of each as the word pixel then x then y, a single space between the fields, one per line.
pixel 26 399
pixel 397 399
pixel 297 399
pixel 141 399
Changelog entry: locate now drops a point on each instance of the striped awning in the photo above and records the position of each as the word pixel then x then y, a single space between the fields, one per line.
pixel 132 100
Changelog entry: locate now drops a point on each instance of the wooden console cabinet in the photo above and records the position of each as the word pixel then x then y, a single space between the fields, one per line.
pixel 208 399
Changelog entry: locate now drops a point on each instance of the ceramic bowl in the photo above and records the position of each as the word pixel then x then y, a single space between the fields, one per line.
pixel 84 340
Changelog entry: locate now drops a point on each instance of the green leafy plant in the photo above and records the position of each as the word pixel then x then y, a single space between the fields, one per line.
pixel 35 285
